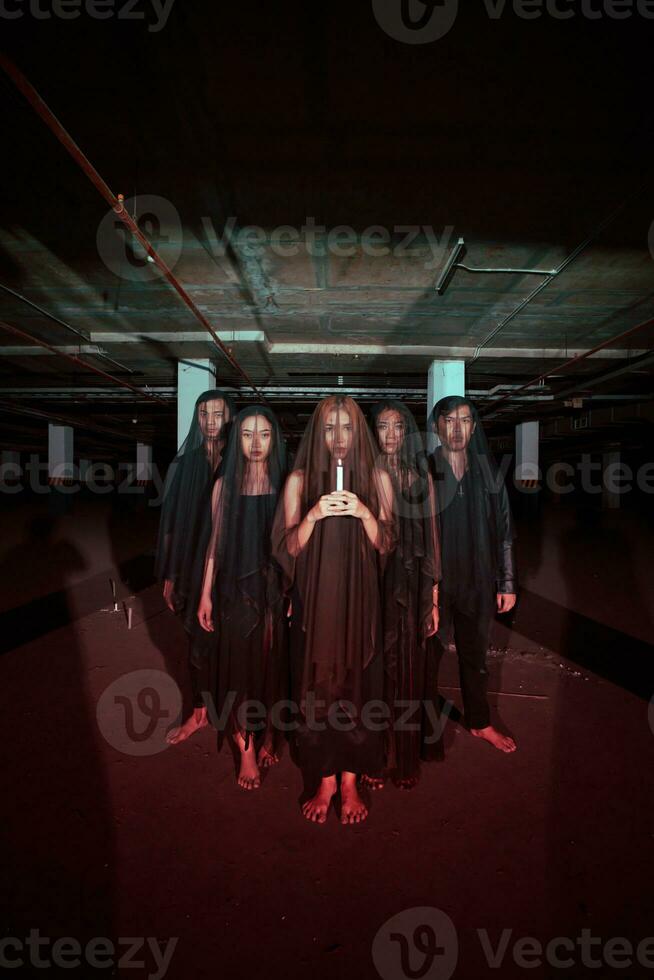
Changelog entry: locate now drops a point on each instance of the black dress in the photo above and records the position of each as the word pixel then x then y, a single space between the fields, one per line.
pixel 410 573
pixel 336 651
pixel 251 627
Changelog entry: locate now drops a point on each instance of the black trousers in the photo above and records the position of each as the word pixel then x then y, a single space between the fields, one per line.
pixel 471 629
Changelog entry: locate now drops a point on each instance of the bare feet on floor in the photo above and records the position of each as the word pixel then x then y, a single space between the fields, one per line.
pixel 502 742
pixel 192 724
pixel 407 782
pixel 372 782
pixel 267 758
pixel 316 808
pixel 249 776
pixel 353 809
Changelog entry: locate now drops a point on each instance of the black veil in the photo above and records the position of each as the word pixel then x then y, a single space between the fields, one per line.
pixel 185 514
pixel 410 575
pixel 488 521
pixel 348 558
pixel 238 479
pixel 243 576
pixel 416 512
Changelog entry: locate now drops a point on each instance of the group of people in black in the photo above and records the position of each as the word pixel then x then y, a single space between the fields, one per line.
pixel 319 597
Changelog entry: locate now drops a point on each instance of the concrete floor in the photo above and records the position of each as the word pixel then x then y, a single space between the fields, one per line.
pixel 100 841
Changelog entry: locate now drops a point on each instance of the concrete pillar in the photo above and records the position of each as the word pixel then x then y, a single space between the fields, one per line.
pixel 60 454
pixel 143 463
pixel 193 377
pixel 444 378
pixel 10 470
pixel 526 454
pixel 612 480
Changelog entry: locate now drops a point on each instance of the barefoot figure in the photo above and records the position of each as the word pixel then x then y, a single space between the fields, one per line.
pixel 241 604
pixel 333 523
pixel 410 598
pixel 476 552
pixel 184 533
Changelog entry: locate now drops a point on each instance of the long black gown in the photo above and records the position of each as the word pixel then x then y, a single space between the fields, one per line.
pixel 252 661
pixel 409 576
pixel 336 650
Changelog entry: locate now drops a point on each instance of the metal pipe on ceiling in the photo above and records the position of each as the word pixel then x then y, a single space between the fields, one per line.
pixel 77 360
pixel 569 363
pixel 55 319
pixel 557 272
pixel 632 365
pixel 116 203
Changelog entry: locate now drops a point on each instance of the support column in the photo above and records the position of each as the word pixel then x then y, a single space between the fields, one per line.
pixel 444 378
pixel 143 464
pixel 84 467
pixel 60 454
pixel 527 473
pixel 612 475
pixel 10 470
pixel 193 377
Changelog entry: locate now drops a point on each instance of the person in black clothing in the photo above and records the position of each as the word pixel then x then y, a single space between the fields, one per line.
pixel 242 604
pixel 410 597
pixel 184 532
pixel 334 522
pixel 478 572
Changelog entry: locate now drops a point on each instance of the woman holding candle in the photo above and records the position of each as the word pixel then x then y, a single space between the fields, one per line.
pixel 242 600
pixel 329 541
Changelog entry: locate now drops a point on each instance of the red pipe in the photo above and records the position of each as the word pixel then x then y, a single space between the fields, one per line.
pixel 573 360
pixel 51 121
pixel 77 360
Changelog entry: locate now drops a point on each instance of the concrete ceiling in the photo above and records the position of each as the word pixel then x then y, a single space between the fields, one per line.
pixel 536 160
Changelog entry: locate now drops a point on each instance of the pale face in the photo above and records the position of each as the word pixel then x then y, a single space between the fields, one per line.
pixel 338 432
pixel 212 417
pixel 390 431
pixel 256 438
pixel 455 429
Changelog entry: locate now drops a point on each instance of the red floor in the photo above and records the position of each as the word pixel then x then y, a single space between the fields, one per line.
pixel 546 843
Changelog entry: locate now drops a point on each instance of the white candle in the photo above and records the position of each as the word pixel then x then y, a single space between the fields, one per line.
pixel 339 475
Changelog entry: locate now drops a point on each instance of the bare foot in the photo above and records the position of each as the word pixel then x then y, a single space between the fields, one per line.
pixel 192 724
pixel 372 782
pixel 353 809
pixel 267 758
pixel 502 742
pixel 316 808
pixel 249 776
pixel 408 782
